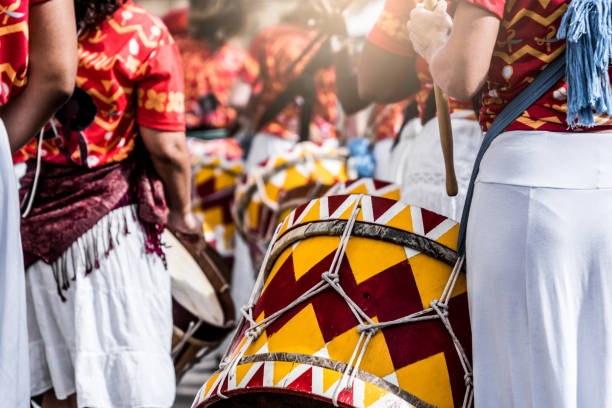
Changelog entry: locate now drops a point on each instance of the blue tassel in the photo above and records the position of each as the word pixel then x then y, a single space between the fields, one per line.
pixel 362 157
pixel 587 29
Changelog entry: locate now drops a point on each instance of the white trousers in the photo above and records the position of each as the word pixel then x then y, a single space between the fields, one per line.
pixel 539 259
pixel 110 341
pixel 14 374
pixel 423 181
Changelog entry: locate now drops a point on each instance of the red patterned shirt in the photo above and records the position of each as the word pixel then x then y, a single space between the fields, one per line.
pixel 272 51
pixel 525 45
pixel 13 46
pixel 129 68
pixel 391 34
pixel 209 72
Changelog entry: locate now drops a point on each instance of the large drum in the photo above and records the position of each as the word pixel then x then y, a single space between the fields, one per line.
pixel 217 168
pixel 361 303
pixel 202 309
pixel 283 182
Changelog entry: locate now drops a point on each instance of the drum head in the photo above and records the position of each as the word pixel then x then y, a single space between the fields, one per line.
pixel 190 287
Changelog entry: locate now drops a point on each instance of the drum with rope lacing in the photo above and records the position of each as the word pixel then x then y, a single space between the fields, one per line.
pixel 360 302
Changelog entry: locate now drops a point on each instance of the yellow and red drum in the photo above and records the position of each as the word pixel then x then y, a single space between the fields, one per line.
pixel 283 182
pixel 369 186
pixel 361 302
pixel 217 167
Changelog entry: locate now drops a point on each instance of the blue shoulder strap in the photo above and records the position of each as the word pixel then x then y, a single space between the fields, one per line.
pixel 543 82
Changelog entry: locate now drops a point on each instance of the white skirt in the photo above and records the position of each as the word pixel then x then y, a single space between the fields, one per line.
pixel 423 181
pixel 400 153
pixel 382 156
pixel 110 341
pixel 14 375
pixel 539 259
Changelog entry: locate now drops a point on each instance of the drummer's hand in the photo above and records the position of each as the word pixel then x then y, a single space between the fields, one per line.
pixel 185 223
pixel 429 30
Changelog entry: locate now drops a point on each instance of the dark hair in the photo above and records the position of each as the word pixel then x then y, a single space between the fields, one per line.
pixel 90 13
pixel 216 20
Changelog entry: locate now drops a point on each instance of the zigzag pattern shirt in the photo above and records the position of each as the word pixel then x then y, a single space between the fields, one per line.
pixel 130 69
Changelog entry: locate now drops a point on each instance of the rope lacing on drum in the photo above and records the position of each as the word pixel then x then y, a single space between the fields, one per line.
pixel 367 328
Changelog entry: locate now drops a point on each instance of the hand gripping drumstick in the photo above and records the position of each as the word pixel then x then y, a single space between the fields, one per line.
pixel 446 131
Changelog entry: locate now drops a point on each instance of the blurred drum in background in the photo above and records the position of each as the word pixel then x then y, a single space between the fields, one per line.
pixel 281 183
pixel 217 168
pixel 361 302
pixel 202 309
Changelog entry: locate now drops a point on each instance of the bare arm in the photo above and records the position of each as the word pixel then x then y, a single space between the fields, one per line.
pixel 170 157
pixel 460 68
pixel 385 77
pixel 53 65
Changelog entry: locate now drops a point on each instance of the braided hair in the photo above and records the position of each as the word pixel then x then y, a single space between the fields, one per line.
pixel 90 13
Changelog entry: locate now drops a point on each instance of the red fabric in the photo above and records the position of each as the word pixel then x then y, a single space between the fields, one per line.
pixel 14 46
pixel 525 45
pixel 390 32
pixel 389 120
pixel 209 71
pixel 70 200
pixel 177 21
pixel 130 67
pixel 272 51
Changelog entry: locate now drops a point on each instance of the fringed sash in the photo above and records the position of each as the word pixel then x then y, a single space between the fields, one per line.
pixel 71 200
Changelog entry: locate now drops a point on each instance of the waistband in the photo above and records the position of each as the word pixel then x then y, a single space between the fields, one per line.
pixel 549 159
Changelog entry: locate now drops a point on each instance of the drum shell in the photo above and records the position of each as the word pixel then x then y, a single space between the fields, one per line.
pixel 390 271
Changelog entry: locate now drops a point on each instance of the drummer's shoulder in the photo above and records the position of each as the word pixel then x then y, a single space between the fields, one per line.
pixel 142 24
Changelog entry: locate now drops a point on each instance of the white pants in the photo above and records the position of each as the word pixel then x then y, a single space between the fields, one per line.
pixel 110 341
pixel 539 259
pixel 424 178
pixel 14 374
pixel 382 156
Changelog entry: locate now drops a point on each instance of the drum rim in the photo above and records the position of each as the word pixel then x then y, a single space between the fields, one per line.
pixel 243 201
pixel 361 229
pixel 312 361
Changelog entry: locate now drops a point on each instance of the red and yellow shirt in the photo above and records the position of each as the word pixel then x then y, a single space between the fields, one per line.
pixel 271 53
pixel 391 34
pixel 129 67
pixel 209 72
pixel 525 45
pixel 14 36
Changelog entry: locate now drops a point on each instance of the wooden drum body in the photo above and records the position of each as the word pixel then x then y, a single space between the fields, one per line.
pixel 361 303
pixel 202 309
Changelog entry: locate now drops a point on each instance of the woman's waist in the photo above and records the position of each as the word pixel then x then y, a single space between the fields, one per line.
pixel 549 159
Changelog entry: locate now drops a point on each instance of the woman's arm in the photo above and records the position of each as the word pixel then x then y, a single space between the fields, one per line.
pixel 170 156
pixel 461 66
pixel 53 65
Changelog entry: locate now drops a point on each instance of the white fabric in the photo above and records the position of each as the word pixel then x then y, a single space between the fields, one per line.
pixel 399 155
pixel 14 374
pixel 424 178
pixel 110 341
pixel 382 156
pixel 539 257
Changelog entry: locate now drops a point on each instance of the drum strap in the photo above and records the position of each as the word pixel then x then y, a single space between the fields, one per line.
pixel 542 84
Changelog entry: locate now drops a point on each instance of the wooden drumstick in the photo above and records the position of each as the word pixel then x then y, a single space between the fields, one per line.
pixel 446 130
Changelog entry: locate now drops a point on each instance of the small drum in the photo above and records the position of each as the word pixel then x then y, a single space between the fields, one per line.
pixel 278 185
pixel 202 309
pixel 217 168
pixel 361 303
